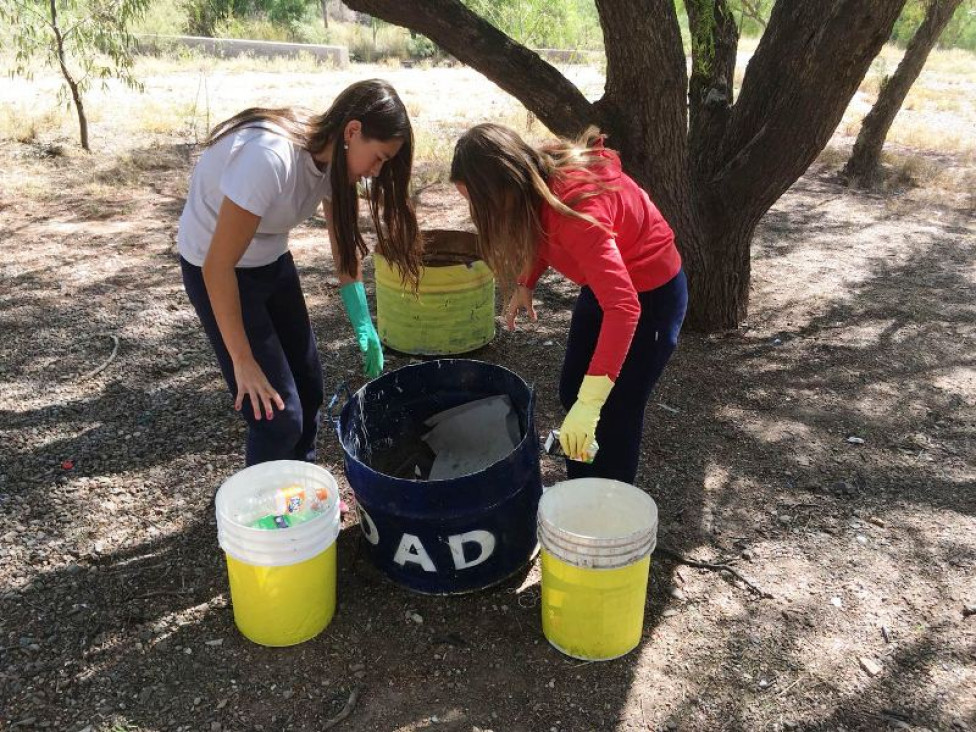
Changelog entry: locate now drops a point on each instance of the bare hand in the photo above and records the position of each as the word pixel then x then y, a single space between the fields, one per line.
pixel 521 300
pixel 252 382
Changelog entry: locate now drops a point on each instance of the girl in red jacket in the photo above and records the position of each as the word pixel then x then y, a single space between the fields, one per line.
pixel 568 205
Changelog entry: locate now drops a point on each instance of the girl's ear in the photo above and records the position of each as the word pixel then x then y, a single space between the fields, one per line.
pixel 353 128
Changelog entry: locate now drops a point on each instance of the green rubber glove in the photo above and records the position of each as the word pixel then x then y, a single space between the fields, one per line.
pixel 579 428
pixel 354 298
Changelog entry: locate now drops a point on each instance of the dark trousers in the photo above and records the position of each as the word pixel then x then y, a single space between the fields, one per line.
pixel 621 423
pixel 280 334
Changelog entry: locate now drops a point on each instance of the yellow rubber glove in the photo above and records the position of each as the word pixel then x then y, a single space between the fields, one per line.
pixel 579 428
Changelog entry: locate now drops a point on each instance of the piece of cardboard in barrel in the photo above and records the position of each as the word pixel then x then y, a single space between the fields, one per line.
pixel 469 437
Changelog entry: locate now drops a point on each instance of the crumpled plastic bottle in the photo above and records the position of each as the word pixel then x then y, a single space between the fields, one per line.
pixel 552 447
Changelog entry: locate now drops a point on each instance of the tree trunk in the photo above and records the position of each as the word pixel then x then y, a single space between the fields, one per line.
pixel 82 119
pixel 712 166
pixel 720 282
pixel 325 13
pixel 864 165
pixel 69 78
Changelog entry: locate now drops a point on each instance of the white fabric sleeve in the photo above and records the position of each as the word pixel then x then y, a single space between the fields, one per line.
pixel 253 178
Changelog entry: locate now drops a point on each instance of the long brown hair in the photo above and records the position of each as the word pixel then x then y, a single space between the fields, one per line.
pixel 383 117
pixel 508 180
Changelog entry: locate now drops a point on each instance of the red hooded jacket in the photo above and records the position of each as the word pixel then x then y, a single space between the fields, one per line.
pixel 639 255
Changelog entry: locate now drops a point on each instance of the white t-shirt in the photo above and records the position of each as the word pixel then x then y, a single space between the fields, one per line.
pixel 262 172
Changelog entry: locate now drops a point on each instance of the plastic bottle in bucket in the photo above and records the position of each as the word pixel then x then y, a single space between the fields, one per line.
pixel 288 506
pixel 597 537
pixel 282 583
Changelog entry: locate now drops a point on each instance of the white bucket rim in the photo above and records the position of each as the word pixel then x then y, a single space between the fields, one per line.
pixel 554 493
pixel 596 541
pixel 571 555
pixel 602 550
pixel 589 550
pixel 262 547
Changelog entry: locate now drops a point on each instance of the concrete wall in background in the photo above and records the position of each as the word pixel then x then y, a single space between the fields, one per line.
pixel 337 55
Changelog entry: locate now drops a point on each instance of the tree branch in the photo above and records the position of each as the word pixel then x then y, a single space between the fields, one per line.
pixel 681 559
pixel 714 40
pixel 345 711
pixel 753 11
pixel 797 89
pixel 644 108
pixel 513 67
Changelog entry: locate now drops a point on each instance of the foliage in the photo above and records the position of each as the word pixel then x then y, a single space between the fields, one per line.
pixel 960 33
pixel 544 23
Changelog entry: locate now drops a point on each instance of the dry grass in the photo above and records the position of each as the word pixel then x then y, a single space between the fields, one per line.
pixel 29 123
pixel 187 93
pixel 388 41
pixel 183 60
pixel 21 184
pixel 936 179
pixel 833 156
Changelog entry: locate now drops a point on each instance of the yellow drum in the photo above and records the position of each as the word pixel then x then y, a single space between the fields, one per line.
pixel 453 310
pixel 597 537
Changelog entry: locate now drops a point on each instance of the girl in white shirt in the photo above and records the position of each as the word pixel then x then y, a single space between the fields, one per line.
pixel 263 172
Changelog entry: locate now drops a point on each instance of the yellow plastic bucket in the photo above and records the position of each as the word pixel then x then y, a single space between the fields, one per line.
pixel 597 537
pixel 282 581
pixel 453 310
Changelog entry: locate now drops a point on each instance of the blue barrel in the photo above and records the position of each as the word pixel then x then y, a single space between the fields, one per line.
pixel 441 537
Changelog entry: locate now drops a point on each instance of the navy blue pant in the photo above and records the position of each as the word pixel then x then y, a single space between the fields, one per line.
pixel 280 334
pixel 621 423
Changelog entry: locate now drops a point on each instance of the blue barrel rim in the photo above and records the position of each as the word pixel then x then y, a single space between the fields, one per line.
pixel 358 396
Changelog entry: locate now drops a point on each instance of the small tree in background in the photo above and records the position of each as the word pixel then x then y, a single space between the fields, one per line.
pixel 864 166
pixel 87 40
pixel 753 15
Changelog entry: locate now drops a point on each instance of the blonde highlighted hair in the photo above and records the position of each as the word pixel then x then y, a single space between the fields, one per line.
pixel 509 180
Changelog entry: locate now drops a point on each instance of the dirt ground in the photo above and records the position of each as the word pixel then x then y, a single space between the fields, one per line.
pixel 114 605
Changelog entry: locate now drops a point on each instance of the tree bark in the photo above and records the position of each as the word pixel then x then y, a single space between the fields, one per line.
pixel 643 108
pixel 712 166
pixel 806 69
pixel 864 165
pixel 714 41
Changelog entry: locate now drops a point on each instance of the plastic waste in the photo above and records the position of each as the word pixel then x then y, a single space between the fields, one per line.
pixel 552 447
pixel 285 507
